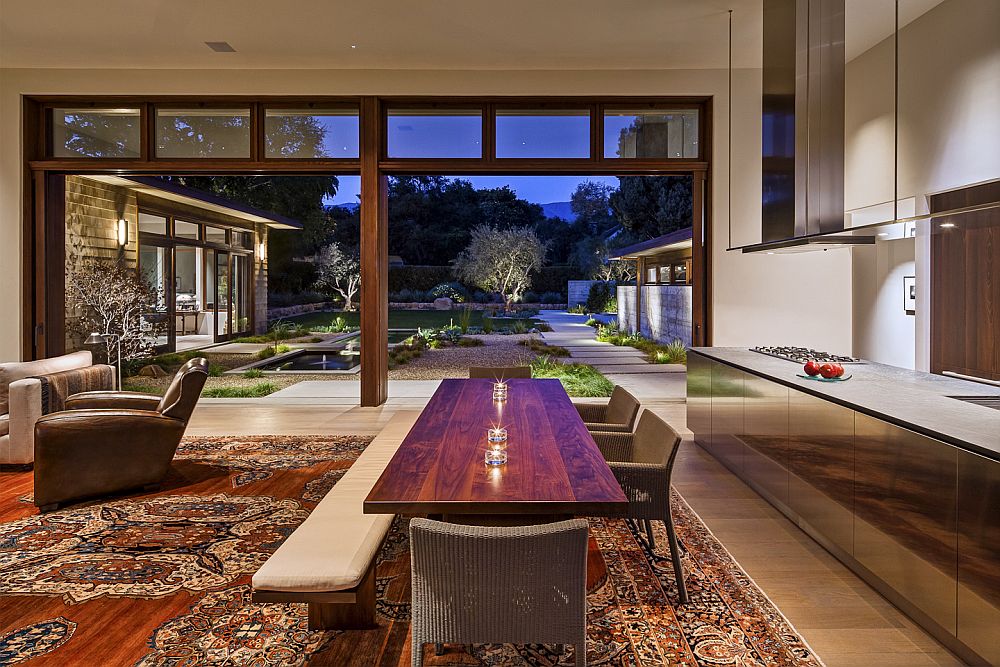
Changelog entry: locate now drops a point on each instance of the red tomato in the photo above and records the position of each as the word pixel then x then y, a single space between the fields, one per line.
pixel 840 370
pixel 811 368
pixel 828 371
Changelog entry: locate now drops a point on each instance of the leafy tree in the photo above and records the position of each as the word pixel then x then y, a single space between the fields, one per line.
pixel 501 260
pixel 339 272
pixel 589 203
pixel 108 297
pixel 651 206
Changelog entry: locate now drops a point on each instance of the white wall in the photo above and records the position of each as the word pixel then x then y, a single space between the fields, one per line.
pixel 757 299
pixel 883 331
pixel 949 136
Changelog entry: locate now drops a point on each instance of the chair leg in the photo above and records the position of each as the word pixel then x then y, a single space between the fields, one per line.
pixel 51 507
pixel 580 651
pixel 438 649
pixel 649 534
pixel 675 557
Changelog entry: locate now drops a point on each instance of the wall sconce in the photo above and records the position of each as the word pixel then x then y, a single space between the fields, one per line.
pixel 262 251
pixel 122 232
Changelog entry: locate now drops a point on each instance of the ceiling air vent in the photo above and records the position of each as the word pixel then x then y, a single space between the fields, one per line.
pixel 221 47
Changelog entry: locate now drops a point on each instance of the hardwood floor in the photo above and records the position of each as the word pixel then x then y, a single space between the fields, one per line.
pixel 847 623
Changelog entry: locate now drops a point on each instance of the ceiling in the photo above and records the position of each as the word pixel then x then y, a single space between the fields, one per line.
pixel 388 34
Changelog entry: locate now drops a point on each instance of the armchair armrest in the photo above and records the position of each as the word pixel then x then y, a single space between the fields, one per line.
pixel 616 447
pixel 645 485
pixel 25 398
pixel 608 428
pixel 112 400
pixel 592 412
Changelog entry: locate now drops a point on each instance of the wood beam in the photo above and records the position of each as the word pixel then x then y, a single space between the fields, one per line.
pixel 374 260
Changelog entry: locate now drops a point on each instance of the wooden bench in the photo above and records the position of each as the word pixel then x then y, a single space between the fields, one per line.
pixel 329 561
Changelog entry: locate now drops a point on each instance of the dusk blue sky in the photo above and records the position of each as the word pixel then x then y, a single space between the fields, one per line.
pixel 519 135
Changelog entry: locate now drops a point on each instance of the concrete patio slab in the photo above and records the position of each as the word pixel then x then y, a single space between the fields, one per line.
pixel 653 369
pixel 347 389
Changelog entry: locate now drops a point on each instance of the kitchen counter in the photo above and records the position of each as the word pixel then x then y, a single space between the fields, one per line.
pixel 911 399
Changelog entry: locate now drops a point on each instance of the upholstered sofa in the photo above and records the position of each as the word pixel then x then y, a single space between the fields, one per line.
pixel 26 394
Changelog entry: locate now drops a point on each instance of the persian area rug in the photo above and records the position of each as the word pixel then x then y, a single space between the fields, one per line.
pixel 163 579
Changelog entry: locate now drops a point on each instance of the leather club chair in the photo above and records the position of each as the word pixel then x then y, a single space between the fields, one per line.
pixel 107 442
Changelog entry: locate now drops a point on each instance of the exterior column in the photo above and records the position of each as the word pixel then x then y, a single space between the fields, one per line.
pixel 640 276
pixel 374 261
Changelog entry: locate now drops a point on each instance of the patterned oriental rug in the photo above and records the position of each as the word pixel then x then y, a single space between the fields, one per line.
pixel 163 579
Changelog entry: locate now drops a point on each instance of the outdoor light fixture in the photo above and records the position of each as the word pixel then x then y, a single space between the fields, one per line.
pixel 103 339
pixel 262 252
pixel 122 232
pixel 947 225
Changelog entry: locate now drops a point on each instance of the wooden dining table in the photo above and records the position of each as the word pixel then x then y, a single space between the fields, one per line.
pixel 554 468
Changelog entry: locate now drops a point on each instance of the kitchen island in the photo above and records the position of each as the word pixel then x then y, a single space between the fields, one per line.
pixel 889 472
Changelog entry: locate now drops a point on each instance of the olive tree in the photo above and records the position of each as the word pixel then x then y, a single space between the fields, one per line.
pixel 338 272
pixel 501 260
pixel 109 297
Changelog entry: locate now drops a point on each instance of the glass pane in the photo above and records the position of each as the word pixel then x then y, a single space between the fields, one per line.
pixel 200 133
pixel 215 234
pixel 241 295
pixel 152 224
pixel 153 267
pixel 187 295
pixel 433 133
pixel 95 132
pixel 651 275
pixel 222 293
pixel 186 230
pixel 243 240
pixel 651 134
pixel 292 133
pixel 680 273
pixel 210 292
pixel 543 134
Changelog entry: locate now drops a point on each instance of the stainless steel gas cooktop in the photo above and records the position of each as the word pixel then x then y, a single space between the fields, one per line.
pixel 803 354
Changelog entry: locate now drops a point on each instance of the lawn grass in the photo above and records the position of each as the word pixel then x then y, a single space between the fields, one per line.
pixel 540 347
pixel 578 379
pixel 253 391
pixel 656 353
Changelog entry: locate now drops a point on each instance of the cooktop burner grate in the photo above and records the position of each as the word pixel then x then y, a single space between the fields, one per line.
pixel 803 354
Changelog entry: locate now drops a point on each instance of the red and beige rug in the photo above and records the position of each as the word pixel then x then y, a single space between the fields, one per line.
pixel 163 579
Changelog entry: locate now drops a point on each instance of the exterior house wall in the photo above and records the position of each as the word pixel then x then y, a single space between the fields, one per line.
pixel 92 213
pixel 666 312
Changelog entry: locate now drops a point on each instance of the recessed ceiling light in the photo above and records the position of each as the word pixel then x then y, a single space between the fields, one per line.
pixel 354 46
pixel 883 233
pixel 221 47
pixel 947 225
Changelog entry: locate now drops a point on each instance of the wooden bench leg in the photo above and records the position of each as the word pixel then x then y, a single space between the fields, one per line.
pixel 359 615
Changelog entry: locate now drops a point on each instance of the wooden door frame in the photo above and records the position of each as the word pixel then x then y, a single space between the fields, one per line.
pixel 375 167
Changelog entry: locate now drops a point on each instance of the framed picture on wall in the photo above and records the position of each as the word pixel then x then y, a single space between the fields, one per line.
pixel 910 294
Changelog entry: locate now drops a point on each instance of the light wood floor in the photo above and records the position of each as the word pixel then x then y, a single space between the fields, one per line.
pixel 847 623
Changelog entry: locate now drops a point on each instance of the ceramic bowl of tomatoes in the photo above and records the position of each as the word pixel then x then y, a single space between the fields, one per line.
pixel 824 372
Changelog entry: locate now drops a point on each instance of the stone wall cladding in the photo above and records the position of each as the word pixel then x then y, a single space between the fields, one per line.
pixel 577 291
pixel 666 312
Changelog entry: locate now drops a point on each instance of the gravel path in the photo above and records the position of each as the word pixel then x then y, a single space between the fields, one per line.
pixel 454 362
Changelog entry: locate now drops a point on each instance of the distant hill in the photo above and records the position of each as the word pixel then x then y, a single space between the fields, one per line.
pixel 350 206
pixel 559 209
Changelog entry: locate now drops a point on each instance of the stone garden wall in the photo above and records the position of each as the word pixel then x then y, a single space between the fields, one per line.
pixel 666 312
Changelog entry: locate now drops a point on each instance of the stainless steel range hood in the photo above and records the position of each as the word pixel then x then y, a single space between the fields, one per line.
pixel 803 121
pixel 810 244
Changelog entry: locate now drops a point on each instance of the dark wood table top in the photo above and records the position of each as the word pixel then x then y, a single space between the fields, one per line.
pixel 554 465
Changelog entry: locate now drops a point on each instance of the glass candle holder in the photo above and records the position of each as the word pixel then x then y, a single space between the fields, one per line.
pixel 500 391
pixel 496 446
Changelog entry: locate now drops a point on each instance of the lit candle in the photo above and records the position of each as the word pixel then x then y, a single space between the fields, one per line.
pixel 496 446
pixel 500 391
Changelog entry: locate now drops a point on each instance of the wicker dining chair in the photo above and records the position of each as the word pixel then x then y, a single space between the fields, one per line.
pixel 642 462
pixel 510 585
pixel 616 416
pixel 500 372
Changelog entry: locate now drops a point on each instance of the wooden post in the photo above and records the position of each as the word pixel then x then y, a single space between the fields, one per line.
pixel 640 277
pixel 374 260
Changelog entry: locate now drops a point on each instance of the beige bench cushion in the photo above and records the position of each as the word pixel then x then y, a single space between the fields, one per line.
pixel 333 548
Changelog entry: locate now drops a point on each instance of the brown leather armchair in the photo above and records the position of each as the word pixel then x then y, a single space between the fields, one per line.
pixel 107 442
